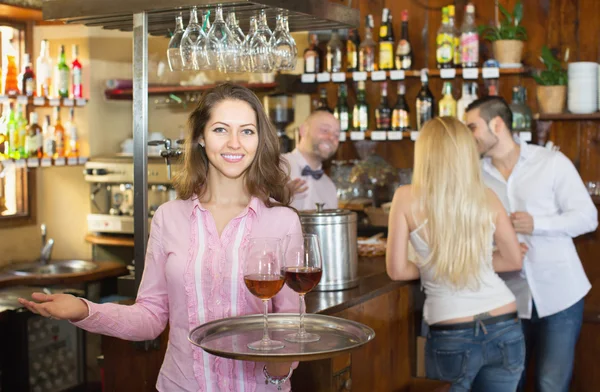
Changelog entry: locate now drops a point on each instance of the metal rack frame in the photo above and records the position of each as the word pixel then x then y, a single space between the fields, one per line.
pixel 156 17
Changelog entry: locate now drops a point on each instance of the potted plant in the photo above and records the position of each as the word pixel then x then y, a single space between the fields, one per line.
pixel 507 36
pixel 551 90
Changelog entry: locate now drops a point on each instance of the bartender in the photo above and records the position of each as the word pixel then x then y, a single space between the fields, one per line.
pixel 319 140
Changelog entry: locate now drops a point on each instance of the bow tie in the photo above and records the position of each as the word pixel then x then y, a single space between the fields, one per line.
pixel 316 174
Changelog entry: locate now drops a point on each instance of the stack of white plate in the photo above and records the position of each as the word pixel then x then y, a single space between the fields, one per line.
pixel 583 94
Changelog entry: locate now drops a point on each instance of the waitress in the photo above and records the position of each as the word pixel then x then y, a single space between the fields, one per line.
pixel 319 140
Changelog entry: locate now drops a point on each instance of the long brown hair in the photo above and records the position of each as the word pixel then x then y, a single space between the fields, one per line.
pixel 264 179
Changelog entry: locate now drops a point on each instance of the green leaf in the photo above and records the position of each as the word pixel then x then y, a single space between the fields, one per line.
pixel 506 14
pixel 518 13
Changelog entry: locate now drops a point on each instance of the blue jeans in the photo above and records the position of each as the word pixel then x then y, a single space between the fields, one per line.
pixel 487 358
pixel 551 340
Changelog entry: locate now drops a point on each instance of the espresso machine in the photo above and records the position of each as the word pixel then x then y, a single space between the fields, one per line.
pixel 111 192
pixel 281 113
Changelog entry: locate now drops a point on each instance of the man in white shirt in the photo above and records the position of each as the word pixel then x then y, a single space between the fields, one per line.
pixel 319 139
pixel 549 206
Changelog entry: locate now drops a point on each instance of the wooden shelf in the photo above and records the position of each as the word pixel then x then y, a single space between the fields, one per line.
pixel 110 240
pixel 127 94
pixel 45 162
pixel 44 101
pixel 567 116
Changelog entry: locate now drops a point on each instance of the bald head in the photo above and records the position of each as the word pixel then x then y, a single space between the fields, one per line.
pixel 320 135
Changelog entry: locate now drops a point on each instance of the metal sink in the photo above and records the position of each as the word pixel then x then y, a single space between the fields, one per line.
pixel 55 268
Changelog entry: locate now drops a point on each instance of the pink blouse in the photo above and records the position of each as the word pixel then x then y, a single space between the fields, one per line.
pixel 192 277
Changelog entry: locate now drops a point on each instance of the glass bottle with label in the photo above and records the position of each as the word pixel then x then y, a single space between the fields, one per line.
pixel 386 42
pixel 464 101
pixel 341 111
pixel 34 141
pixel 447 103
pixel 59 134
pixel 49 148
pixel 401 112
pixel 323 103
pixel 71 135
pixel 12 132
pixel 44 70
pixel 425 101
pixel 366 51
pixel 312 55
pixel 352 45
pixel 360 112
pixel 62 75
pixel 456 58
pixel 77 83
pixel 21 121
pixel 10 71
pixel 27 78
pixel 445 43
pixel 521 113
pixel 403 58
pixel 334 53
pixel 469 39
pixel 383 113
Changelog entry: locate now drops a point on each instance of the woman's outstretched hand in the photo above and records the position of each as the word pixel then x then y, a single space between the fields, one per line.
pixel 57 306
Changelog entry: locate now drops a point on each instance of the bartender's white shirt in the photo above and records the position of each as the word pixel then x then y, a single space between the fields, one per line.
pixel 546 184
pixel 319 191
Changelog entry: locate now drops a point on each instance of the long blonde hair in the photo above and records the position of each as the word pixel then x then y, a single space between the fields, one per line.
pixel 448 186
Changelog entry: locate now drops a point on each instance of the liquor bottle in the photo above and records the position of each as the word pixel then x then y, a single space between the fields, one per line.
pixel 425 103
pixel 77 82
pixel 71 134
pixel 44 71
pixel 403 58
pixel 12 133
pixel 62 75
pixel 521 113
pixel 386 42
pixel 323 103
pixel 21 130
pixel 341 111
pixel 445 43
pixel 400 114
pixel 334 53
pixel 49 148
pixel 360 112
pixel 456 58
pixel 33 144
pixel 312 55
pixel 447 103
pixel 383 113
pixel 10 73
pixel 352 45
pixel 59 134
pixel 366 50
pixel 27 78
pixel 464 101
pixel 469 39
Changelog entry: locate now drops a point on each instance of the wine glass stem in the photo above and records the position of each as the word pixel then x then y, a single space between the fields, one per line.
pixel 302 312
pixel 266 321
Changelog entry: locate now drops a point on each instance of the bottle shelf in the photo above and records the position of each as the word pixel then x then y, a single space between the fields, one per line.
pixel 110 240
pixel 398 135
pixel 448 73
pixel 44 101
pixel 567 116
pixel 127 94
pixel 44 162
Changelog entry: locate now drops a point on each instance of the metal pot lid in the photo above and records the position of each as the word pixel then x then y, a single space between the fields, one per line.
pixel 320 211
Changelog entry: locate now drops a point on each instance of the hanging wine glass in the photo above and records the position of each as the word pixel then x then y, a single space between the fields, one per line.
pixel 189 41
pixel 261 45
pixel 174 48
pixel 234 25
pixel 201 47
pixel 247 46
pixel 234 61
pixel 294 54
pixel 218 44
pixel 282 46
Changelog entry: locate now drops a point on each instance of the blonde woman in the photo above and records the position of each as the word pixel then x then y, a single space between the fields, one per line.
pixel 475 339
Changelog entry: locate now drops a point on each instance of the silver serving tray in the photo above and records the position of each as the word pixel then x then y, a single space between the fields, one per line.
pixel 229 337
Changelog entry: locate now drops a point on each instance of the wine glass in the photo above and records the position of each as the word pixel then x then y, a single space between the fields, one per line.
pixel 202 43
pixel 173 51
pixel 294 53
pixel 218 41
pixel 263 278
pixel 247 46
pixel 261 45
pixel 189 41
pixel 302 266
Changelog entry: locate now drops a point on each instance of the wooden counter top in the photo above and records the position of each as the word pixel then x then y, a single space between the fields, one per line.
pixel 106 269
pixel 373 281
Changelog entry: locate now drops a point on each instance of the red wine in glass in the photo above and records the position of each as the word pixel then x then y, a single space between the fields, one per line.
pixel 302 279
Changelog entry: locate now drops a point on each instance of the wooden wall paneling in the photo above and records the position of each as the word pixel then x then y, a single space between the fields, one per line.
pixel 585 358
pixel 590 151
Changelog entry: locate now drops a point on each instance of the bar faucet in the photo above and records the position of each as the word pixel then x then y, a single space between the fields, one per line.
pixel 47 246
pixel 168 152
